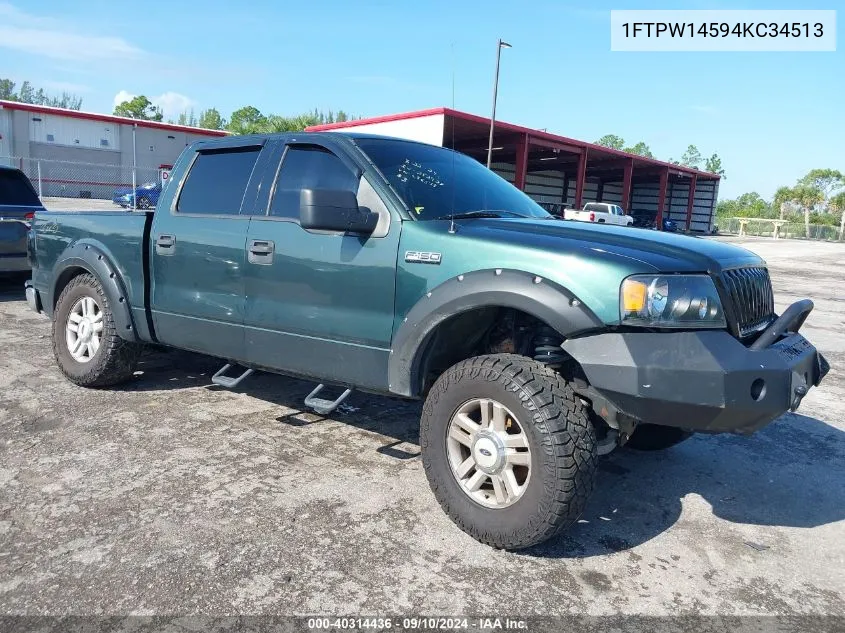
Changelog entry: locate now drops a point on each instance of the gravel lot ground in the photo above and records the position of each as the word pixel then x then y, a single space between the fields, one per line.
pixel 168 496
pixel 79 204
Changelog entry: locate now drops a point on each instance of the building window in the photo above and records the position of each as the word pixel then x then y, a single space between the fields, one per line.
pixel 50 138
pixel 104 142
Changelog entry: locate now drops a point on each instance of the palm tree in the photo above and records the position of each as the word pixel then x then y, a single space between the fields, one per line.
pixel 837 204
pixel 808 197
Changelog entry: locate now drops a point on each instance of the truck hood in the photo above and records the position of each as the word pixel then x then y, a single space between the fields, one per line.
pixel 656 250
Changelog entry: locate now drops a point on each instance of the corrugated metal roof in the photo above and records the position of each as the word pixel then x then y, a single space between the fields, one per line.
pixel 109 118
pixel 501 125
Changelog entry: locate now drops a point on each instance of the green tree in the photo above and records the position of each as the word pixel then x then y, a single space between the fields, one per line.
pixel 640 149
pixel 7 90
pixel 139 108
pixel 751 205
pixel 612 141
pixel 28 94
pixel 247 120
pixel 211 120
pixel 691 157
pixel 748 205
pixel 827 181
pixel 187 118
pixel 807 197
pixel 276 123
pixel 714 165
pixel 727 209
pixel 250 120
pixel 836 204
pixel 782 199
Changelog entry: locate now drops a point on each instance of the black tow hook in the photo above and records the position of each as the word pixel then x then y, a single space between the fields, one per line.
pixel 800 392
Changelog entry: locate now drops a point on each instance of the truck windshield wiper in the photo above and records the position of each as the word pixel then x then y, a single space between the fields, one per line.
pixel 483 213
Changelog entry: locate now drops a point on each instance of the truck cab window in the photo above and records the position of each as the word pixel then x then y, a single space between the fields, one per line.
pixel 308 167
pixel 217 181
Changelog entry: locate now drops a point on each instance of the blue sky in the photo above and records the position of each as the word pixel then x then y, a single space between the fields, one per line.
pixel 770 116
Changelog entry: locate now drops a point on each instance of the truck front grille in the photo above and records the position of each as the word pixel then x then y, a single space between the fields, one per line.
pixel 750 291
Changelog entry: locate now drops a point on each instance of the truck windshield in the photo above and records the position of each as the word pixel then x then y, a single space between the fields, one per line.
pixel 437 183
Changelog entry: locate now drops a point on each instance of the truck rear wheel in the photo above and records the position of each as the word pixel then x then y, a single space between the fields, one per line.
pixel 654 437
pixel 508 450
pixel 85 342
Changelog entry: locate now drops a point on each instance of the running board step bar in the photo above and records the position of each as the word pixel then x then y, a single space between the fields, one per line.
pixel 229 382
pixel 323 406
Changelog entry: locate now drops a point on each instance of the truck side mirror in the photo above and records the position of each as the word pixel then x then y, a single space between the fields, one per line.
pixel 332 210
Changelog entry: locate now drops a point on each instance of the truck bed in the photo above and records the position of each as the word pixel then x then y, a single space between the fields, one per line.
pixel 120 234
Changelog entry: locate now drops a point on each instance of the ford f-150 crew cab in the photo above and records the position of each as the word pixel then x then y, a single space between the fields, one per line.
pixel 408 270
pixel 600 212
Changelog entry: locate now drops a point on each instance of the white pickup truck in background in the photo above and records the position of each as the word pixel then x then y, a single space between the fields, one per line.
pixel 600 212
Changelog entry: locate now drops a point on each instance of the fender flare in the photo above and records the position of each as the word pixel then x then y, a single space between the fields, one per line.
pixel 93 259
pixel 520 290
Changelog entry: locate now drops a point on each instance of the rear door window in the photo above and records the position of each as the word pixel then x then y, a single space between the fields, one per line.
pixel 217 181
pixel 16 190
pixel 308 167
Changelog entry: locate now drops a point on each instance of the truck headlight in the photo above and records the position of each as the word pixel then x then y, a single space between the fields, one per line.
pixel 680 301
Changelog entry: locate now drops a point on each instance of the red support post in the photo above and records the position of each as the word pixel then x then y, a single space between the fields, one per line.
pixel 661 197
pixel 626 186
pixel 582 175
pixel 521 162
pixel 691 199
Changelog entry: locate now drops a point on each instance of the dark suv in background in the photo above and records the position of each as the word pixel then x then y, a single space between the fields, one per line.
pixel 18 204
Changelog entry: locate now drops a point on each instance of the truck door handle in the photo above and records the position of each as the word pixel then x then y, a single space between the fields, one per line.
pixel 165 244
pixel 261 252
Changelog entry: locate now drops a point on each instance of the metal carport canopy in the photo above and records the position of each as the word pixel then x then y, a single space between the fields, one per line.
pixel 533 149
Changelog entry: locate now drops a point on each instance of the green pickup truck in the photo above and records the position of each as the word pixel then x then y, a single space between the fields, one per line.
pixel 408 270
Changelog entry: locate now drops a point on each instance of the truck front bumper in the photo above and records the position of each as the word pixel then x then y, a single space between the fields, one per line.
pixel 704 380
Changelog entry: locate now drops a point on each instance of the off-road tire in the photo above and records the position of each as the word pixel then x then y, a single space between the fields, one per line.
pixel 655 437
pixel 116 358
pixel 561 438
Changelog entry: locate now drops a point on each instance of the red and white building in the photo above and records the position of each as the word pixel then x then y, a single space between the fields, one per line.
pixel 559 171
pixel 83 154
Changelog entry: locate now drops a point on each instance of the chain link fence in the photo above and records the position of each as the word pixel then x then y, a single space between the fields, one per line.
pixel 765 228
pixel 71 179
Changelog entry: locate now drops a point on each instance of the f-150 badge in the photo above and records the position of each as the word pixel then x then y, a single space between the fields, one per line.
pixel 422 257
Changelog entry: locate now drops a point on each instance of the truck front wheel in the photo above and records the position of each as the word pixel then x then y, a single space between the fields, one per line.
pixel 87 347
pixel 508 450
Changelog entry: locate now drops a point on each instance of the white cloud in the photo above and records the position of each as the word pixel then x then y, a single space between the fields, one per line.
pixel 46 37
pixel 172 104
pixel 122 96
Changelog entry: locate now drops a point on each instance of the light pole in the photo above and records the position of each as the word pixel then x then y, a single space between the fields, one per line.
pixel 501 44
